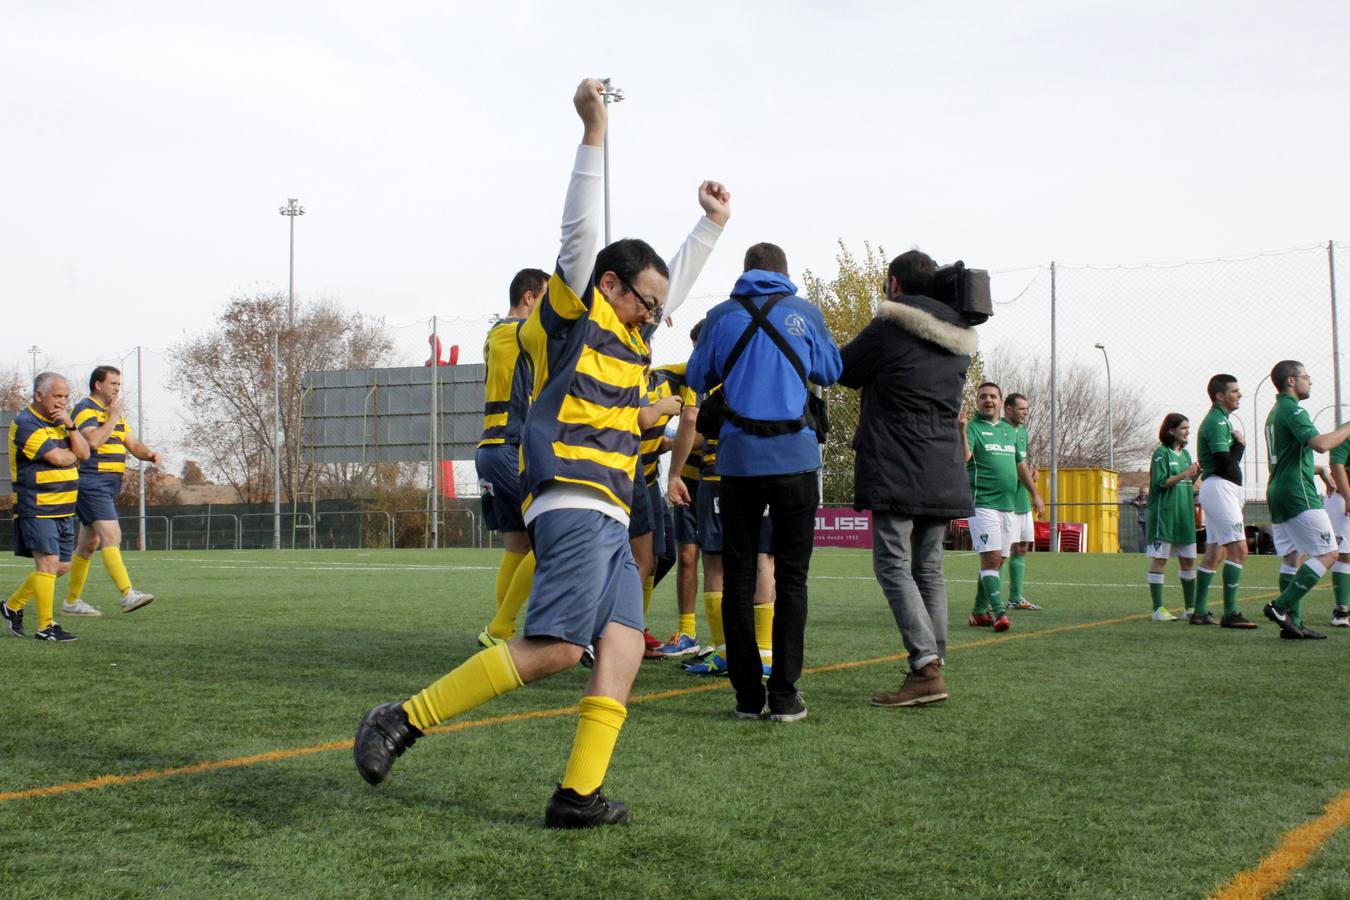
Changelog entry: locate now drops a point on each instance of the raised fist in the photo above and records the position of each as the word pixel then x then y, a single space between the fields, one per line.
pixel 590 104
pixel 715 200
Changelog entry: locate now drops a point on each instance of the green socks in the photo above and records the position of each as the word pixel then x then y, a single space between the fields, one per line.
pixel 1286 576
pixel 1188 592
pixel 1155 589
pixel 1017 572
pixel 1203 579
pixel 1232 576
pixel 992 586
pixel 1304 580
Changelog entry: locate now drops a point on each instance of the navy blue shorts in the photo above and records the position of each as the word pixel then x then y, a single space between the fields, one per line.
pixel 663 539
pixel 710 521
pixel 584 577
pixel 97 500
pixel 54 537
pixel 640 515
pixel 686 517
pixel 498 468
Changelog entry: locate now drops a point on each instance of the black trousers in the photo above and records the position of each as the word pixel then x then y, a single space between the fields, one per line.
pixel 792 502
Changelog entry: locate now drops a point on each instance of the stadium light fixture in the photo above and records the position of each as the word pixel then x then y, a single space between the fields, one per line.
pixel 1110 419
pixel 611 94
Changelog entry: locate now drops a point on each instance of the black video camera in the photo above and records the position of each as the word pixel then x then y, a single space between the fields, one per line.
pixel 964 290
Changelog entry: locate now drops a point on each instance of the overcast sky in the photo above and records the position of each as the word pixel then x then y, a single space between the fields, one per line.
pixel 148 146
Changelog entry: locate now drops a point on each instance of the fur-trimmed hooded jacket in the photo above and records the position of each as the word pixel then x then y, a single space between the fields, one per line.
pixel 910 363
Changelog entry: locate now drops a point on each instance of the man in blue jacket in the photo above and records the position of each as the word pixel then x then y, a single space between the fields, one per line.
pixel 762 346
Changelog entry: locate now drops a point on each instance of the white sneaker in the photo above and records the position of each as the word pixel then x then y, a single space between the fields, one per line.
pixel 1340 617
pixel 134 600
pixel 1162 615
pixel 79 608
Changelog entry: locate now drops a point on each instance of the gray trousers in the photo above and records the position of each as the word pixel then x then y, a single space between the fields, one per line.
pixel 907 560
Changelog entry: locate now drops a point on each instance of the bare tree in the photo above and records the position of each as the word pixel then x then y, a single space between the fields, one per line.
pixel 224 376
pixel 1081 418
pixel 16 391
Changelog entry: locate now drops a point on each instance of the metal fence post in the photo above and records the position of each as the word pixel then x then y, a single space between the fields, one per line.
pixel 1335 329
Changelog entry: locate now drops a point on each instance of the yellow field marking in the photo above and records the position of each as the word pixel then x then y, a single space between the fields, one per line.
pixel 1293 853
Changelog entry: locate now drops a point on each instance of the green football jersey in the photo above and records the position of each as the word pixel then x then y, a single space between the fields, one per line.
pixel 1022 503
pixel 1216 436
pixel 1340 454
pixel 993 464
pixel 1291 489
pixel 1171 510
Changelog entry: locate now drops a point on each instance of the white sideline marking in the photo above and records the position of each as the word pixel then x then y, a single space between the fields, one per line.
pixel 1132 584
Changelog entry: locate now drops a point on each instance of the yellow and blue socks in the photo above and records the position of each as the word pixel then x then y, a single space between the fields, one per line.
pixel 764 633
pixel 79 573
pixel 601 719
pixel 503 624
pixel 483 676
pixel 117 570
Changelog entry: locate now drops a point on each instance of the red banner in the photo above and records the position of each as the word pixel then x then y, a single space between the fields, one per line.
pixel 843 526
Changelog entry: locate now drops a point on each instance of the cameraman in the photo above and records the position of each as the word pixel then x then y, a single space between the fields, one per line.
pixel 910 363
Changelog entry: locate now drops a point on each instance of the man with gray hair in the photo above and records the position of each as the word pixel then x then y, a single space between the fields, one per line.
pixel 45 450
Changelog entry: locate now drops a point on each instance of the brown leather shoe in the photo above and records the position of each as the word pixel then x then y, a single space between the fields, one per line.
pixel 923 686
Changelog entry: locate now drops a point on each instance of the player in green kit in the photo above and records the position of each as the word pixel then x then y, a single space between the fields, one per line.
pixel 995 466
pixel 1171 514
pixel 1016 410
pixel 1300 522
pixel 1220 446
pixel 1340 523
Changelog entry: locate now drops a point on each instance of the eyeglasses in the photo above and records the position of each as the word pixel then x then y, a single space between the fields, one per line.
pixel 650 305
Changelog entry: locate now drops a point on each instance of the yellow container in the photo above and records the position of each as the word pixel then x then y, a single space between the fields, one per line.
pixel 1097 491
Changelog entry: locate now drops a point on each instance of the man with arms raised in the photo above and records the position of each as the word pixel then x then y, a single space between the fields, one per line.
pixel 580 453
pixel 99 419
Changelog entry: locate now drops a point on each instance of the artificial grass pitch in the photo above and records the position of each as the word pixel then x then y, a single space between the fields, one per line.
pixel 1125 759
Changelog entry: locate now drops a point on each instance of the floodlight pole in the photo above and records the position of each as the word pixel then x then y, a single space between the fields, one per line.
pixel 34 350
pixel 1335 330
pixel 1054 420
pixel 1110 420
pixel 610 94
pixel 140 433
pixel 435 437
pixel 290 211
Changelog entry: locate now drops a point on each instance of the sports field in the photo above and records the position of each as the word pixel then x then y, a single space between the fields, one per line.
pixel 202 746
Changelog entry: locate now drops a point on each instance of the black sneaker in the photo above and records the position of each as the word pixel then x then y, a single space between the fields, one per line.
pixel 383 736
pixel 1236 620
pixel 791 710
pixel 54 632
pixel 1281 617
pixel 1310 635
pixel 568 809
pixel 13 620
pixel 1205 619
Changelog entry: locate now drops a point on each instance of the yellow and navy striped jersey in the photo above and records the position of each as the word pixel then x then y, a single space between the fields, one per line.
pixel 40 489
pixel 507 385
pixel 664 381
pixel 709 469
pixel 589 373
pixel 109 459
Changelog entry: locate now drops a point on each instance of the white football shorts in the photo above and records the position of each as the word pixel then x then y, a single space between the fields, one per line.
pixel 993 529
pixel 1221 501
pixel 1165 550
pixel 1309 532
pixel 1339 522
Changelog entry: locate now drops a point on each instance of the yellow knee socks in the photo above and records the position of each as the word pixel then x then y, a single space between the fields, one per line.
pixel 112 561
pixel 597 733
pixel 764 632
pixel 19 599
pixel 688 624
pixel 507 569
pixel 44 590
pixel 503 624
pixel 712 608
pixel 79 571
pixel 487 674
pixel 648 585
